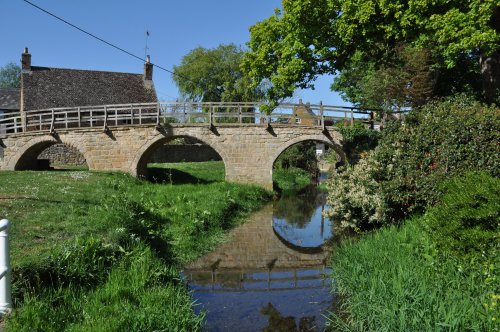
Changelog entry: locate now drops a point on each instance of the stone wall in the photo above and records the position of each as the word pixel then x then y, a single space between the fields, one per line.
pixel 174 153
pixel 62 154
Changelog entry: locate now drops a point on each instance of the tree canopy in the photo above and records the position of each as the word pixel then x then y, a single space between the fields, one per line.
pixel 313 37
pixel 215 75
pixel 10 76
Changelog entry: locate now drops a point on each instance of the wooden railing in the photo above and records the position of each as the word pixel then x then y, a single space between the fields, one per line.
pixel 106 116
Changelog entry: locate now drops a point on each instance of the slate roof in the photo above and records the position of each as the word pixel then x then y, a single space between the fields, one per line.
pixel 9 99
pixel 45 87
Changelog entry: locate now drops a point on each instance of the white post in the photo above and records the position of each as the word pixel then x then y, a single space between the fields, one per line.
pixel 5 286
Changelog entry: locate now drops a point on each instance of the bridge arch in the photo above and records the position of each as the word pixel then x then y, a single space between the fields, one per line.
pixel 334 144
pixel 138 166
pixel 27 155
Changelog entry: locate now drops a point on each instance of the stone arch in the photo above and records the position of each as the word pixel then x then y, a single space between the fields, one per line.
pixel 138 165
pixel 334 144
pixel 26 157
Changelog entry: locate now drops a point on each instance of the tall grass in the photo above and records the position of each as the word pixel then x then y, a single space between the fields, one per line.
pixel 96 251
pixel 390 281
pixel 426 275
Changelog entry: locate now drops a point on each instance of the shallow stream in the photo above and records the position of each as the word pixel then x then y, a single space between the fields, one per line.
pixel 272 274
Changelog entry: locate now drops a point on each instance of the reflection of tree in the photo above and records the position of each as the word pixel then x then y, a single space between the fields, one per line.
pixel 278 323
pixel 298 209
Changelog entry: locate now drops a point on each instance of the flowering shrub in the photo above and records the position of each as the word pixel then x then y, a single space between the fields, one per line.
pixel 355 198
pixel 402 175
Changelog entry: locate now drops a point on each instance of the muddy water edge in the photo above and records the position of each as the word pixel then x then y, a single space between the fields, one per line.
pixel 272 274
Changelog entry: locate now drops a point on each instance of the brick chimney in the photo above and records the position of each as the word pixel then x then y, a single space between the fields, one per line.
pixel 26 60
pixel 148 69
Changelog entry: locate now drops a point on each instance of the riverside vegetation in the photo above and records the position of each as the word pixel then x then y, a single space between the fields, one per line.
pixel 95 251
pixel 432 185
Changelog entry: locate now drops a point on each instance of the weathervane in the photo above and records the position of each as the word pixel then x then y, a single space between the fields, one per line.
pixel 146 48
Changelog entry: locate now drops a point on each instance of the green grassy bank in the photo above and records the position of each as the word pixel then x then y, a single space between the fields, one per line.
pixel 94 251
pixel 291 178
pixel 436 272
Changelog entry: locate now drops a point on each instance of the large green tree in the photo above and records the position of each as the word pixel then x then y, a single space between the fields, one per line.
pixel 313 37
pixel 213 75
pixel 10 76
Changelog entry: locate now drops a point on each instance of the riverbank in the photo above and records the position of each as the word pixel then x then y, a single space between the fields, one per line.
pixel 436 272
pixel 95 250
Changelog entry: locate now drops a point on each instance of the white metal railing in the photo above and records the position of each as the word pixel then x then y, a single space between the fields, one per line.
pixel 106 116
pixel 5 271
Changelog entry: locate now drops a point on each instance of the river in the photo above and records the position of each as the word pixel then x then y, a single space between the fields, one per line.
pixel 272 274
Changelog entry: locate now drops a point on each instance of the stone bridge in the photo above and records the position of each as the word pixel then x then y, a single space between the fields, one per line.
pixel 112 141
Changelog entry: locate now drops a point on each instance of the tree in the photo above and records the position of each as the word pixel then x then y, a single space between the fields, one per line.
pixel 407 81
pixel 312 37
pixel 10 76
pixel 213 75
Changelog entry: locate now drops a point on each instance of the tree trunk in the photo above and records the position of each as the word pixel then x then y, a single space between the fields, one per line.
pixel 490 72
pixel 490 65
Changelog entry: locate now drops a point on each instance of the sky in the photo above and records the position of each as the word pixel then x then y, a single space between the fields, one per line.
pixel 175 28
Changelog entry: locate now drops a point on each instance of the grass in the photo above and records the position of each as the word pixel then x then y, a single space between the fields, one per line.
pixel 188 172
pixel 430 274
pixel 101 251
pixel 389 284
pixel 291 178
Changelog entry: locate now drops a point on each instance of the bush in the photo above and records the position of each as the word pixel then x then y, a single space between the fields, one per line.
pixel 413 157
pixel 357 140
pixel 436 142
pixel 467 219
pixel 354 197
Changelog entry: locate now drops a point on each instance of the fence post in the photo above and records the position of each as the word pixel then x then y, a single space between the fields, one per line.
pixel 24 122
pixel 52 122
pixel 105 127
pixel 5 286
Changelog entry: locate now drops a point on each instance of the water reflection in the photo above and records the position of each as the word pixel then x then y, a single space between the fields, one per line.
pixel 272 274
pixel 299 219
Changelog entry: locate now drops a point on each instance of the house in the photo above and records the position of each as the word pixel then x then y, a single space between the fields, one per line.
pixel 303 115
pixel 47 87
pixel 9 100
pixel 9 103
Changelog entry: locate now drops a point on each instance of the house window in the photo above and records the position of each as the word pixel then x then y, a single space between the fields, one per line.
pixel 297 120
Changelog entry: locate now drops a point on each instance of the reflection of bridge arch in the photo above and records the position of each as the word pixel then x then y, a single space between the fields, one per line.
pixel 303 250
pixel 26 157
pixel 254 245
pixel 143 155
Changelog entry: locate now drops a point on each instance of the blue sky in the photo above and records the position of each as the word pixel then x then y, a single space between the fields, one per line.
pixel 175 27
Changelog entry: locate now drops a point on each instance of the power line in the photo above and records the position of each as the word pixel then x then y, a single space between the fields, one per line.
pixel 106 42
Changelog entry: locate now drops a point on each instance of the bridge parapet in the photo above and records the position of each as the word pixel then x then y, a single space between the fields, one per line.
pixel 106 116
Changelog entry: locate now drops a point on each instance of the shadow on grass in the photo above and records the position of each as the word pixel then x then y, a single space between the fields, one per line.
pixel 173 176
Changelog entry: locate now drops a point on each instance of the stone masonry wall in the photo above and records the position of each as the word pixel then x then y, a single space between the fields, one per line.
pixel 62 154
